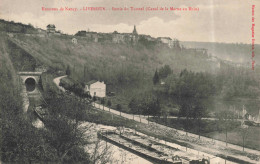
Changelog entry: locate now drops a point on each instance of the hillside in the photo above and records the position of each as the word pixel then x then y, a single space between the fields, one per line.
pixel 7 68
pixel 16 27
pixel 128 69
pixel 109 61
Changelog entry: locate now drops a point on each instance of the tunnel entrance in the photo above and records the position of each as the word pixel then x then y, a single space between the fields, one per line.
pixel 30 84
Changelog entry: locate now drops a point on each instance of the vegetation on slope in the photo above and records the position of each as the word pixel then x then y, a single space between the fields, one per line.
pixel 113 63
pixel 61 141
pixel 15 27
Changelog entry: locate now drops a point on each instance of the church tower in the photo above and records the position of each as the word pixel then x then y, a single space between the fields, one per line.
pixel 134 36
pixel 134 31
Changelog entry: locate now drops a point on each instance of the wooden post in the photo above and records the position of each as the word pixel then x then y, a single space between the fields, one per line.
pixel 243 142
pixel 106 139
pixel 226 136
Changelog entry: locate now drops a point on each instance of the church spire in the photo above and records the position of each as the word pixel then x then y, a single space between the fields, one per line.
pixel 134 31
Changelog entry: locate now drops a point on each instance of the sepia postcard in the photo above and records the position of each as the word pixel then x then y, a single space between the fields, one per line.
pixel 130 81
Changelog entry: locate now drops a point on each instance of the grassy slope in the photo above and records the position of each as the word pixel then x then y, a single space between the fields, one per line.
pixel 208 129
pixel 5 61
pixel 234 136
pixel 58 51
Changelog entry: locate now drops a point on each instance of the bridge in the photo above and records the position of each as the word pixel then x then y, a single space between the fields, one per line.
pixel 30 80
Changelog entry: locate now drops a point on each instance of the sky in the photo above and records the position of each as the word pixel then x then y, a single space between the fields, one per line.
pixel 227 21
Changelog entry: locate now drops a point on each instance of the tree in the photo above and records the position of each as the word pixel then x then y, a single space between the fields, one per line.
pixel 165 114
pixel 186 110
pixel 20 142
pixel 156 78
pixel 193 90
pixel 148 105
pixel 226 118
pixel 64 131
pixel 199 111
pixel 177 44
pixel 186 107
pixel 156 108
pixel 101 153
pixel 102 101
pixel 68 71
pixel 244 133
pixel 133 105
pixel 90 100
pixel 109 104
pixel 165 71
pixel 94 99
pixel 119 108
pixel 67 135
pixel 64 135
pixel 84 70
pixel 77 88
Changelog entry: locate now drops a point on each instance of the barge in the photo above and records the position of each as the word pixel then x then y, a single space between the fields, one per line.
pixel 150 149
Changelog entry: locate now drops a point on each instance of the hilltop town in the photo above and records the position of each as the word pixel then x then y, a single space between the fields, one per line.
pixel 115 37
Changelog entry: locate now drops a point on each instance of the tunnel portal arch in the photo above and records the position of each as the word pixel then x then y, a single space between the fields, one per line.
pixel 30 81
pixel 30 84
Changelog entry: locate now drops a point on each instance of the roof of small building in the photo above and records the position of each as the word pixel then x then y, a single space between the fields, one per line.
pixel 51 26
pixel 115 32
pixel 168 38
pixel 91 32
pixel 91 82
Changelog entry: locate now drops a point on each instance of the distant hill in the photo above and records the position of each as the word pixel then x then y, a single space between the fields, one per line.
pixel 236 52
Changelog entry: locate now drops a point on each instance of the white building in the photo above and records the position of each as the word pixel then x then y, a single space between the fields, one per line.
pixel 96 88
pixel 166 40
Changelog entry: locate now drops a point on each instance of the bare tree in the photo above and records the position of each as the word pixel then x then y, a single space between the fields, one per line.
pixel 102 101
pixel 244 133
pixel 225 117
pixel 119 108
pixel 109 104
pixel 102 152
pixel 63 123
